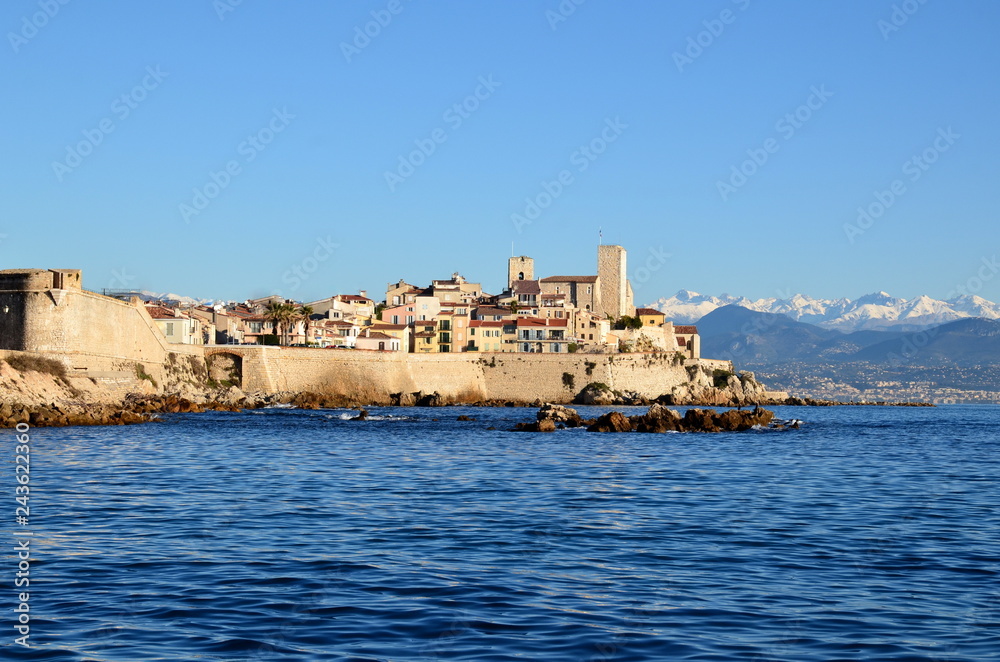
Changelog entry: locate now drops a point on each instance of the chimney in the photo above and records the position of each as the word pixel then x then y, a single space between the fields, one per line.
pixel 363 293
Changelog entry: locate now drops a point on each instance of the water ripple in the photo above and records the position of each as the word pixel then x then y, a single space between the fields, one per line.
pixel 869 534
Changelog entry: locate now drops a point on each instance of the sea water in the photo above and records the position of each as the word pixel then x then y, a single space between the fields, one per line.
pixel 871 533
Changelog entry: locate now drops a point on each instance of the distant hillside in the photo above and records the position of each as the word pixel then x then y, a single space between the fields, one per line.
pixel 749 336
pixel 965 343
pixel 757 338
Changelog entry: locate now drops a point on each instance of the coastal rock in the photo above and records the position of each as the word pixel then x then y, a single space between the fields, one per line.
pixel 699 420
pixel 595 393
pixel 232 396
pixel 403 399
pixel 658 419
pixel 544 425
pixel 429 400
pixel 559 414
pixel 613 421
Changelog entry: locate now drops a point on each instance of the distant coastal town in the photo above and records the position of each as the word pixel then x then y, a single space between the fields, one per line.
pixel 549 315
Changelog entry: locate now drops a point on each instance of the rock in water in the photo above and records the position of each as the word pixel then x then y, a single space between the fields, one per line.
pixel 595 394
pixel 658 419
pixel 699 420
pixel 559 414
pixel 613 421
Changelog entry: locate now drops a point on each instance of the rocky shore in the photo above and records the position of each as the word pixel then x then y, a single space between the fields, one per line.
pixel 41 394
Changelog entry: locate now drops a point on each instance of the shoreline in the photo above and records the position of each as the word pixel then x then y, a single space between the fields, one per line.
pixel 146 408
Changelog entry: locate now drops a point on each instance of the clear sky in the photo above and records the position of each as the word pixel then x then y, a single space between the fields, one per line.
pixel 233 149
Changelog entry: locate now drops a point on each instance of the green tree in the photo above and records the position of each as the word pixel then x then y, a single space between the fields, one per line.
pixel 305 314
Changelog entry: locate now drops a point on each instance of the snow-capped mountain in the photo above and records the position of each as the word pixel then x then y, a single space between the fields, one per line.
pixel 146 295
pixel 876 311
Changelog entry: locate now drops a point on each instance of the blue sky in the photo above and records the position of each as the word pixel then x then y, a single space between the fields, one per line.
pixel 727 144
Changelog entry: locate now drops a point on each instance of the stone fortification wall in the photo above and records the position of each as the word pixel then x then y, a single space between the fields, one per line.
pixel 470 377
pixel 92 334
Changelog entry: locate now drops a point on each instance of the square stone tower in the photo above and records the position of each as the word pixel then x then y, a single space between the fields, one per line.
pixel 520 268
pixel 613 279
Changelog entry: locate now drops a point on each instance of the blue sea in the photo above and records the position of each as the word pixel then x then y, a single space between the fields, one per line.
pixel 871 533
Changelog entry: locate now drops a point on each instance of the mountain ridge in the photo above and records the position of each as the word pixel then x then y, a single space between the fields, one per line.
pixel 877 311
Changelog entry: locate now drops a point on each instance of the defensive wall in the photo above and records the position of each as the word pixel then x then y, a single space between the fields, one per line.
pixel 468 376
pixel 48 312
pixel 96 336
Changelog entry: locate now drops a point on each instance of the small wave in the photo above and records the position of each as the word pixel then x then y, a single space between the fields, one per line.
pixel 350 416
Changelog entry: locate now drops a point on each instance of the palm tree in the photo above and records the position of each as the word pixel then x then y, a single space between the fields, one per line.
pixel 282 316
pixel 305 314
pixel 275 314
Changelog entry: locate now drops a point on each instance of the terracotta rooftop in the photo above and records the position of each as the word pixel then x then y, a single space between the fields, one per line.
pixel 160 313
pixel 648 311
pixel 685 329
pixel 537 321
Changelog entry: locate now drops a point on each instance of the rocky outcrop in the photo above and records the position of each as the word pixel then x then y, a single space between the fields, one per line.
pixel 658 419
pixel 543 425
pixel 611 422
pixel 559 415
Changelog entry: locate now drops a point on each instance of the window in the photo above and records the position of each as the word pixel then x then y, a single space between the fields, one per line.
pixel 395 319
pixel 556 347
pixel 381 346
pixel 472 331
pixel 589 288
pixel 170 328
pixel 423 306
pixel 409 319
pixel 395 300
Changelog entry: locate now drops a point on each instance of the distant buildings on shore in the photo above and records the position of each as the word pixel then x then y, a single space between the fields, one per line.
pixel 548 315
